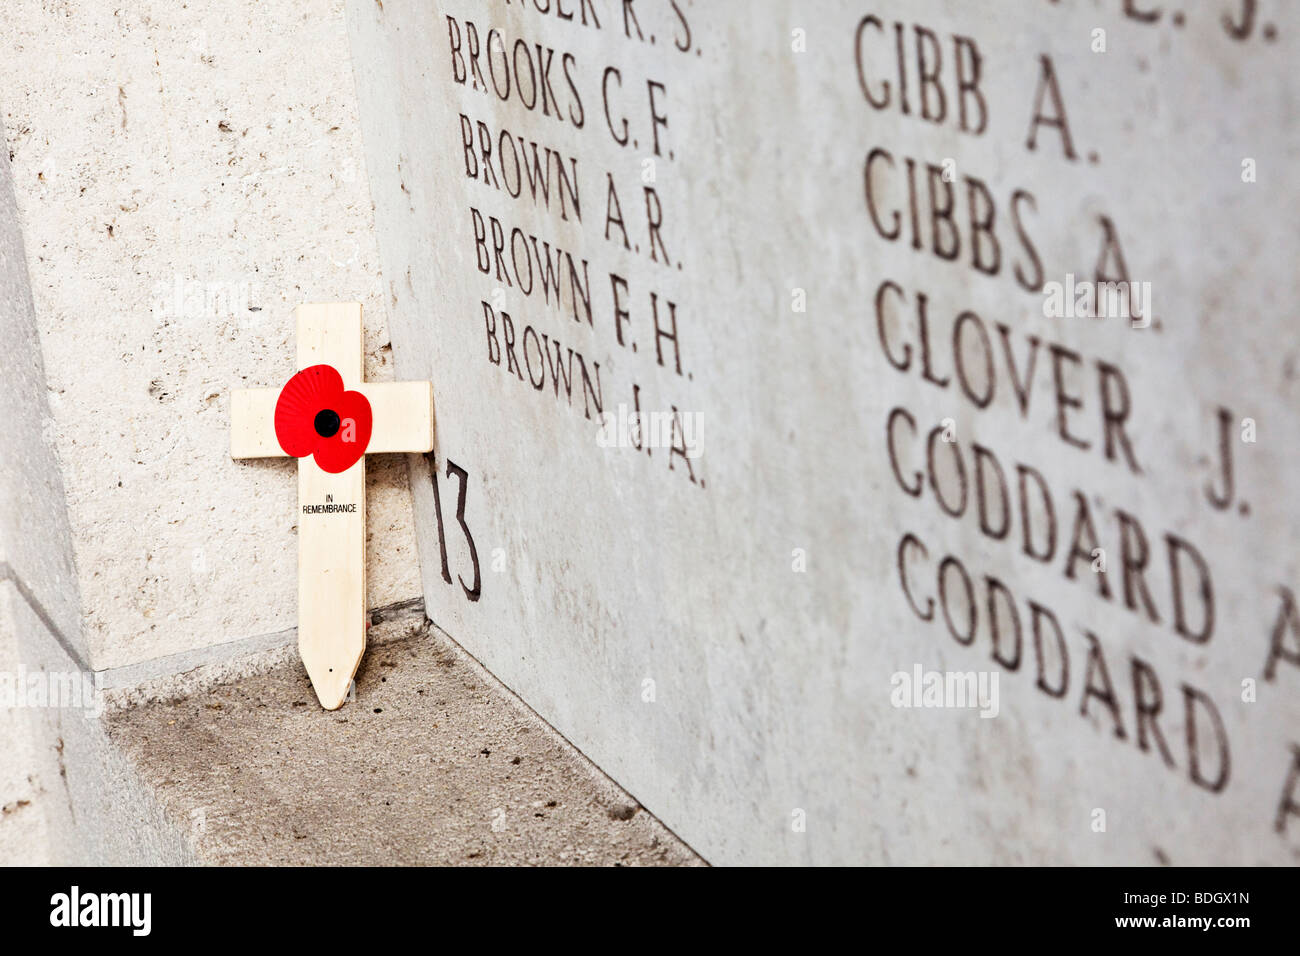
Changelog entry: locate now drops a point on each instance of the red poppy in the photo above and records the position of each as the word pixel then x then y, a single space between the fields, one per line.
pixel 315 416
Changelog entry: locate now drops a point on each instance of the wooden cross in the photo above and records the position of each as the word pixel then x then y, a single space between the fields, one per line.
pixel 332 540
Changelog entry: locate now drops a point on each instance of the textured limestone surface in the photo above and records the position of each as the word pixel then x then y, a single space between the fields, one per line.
pixel 24 772
pixel 814 243
pixel 433 762
pixel 69 795
pixel 38 590
pixel 35 542
pixel 185 175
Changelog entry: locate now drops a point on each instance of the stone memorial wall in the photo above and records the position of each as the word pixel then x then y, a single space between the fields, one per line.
pixel 865 430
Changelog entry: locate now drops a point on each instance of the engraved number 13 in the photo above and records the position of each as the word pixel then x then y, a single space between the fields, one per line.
pixel 475 591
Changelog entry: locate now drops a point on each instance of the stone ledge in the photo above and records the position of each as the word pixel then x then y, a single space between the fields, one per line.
pixel 434 762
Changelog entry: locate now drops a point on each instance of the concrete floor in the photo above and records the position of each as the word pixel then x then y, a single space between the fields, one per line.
pixel 434 762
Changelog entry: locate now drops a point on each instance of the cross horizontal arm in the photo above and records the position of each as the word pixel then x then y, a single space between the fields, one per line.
pixel 402 416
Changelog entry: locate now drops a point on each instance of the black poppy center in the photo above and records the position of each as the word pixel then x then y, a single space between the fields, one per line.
pixel 327 422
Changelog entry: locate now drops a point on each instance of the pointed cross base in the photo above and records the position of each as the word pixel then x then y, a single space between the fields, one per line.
pixel 332 541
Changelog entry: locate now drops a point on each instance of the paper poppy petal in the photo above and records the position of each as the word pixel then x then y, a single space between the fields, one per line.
pixel 314 388
pixel 344 448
